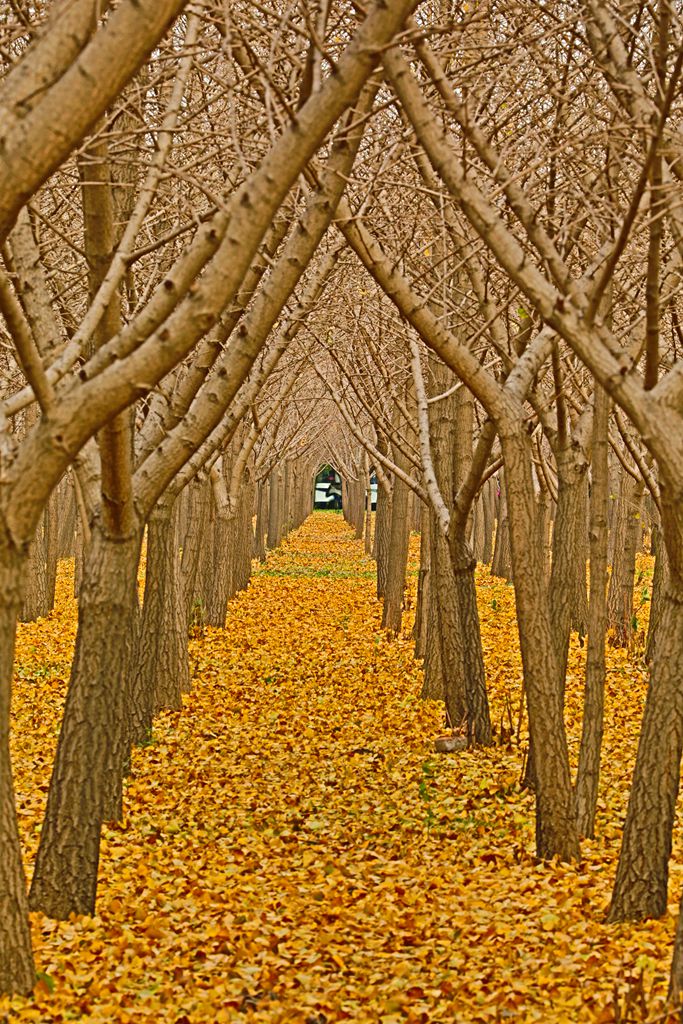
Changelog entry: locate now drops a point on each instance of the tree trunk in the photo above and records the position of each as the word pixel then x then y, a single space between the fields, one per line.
pixel 478 530
pixel 463 565
pixel 261 516
pixel 66 518
pixel 163 673
pixel 17 972
pixel 423 585
pixel 627 537
pixel 659 579
pixel 640 888
pixel 382 538
pixel 543 506
pixel 36 601
pixel 568 543
pixel 65 877
pixel 359 508
pixel 433 687
pixel 367 536
pixel 449 632
pixel 588 775
pixel 556 832
pixel 244 534
pixel 488 496
pixel 52 546
pixel 199 530
pixel 500 563
pixel 392 610
pixel 274 509
pixel 676 977
pixel 220 584
pixel 444 670
pixel 579 597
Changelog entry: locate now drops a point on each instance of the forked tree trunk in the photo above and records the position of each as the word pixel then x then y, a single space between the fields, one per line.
pixel 65 876
pixel 588 775
pixel 17 972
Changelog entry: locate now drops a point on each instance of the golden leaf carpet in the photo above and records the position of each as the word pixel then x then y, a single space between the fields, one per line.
pixel 294 851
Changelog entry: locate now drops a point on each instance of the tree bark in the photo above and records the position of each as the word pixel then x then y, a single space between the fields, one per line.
pixel 423 584
pixel 659 579
pixel 488 495
pixel 392 610
pixel 382 537
pixel 195 541
pixel 640 888
pixel 556 831
pixel 17 972
pixel 568 543
pixel 163 673
pixel 36 601
pixel 274 509
pixel 500 563
pixel 261 514
pixel 478 530
pixel 626 538
pixel 588 775
pixel 463 565
pixel 65 876
pixel 449 632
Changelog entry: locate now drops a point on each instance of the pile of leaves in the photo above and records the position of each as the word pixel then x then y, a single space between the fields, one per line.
pixel 294 851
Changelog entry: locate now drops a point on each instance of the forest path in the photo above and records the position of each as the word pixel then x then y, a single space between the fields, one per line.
pixel 293 851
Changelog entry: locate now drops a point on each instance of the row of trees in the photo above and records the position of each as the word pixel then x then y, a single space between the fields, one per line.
pixel 438 241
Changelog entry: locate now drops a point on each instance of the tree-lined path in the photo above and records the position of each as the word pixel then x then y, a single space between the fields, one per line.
pixel 292 849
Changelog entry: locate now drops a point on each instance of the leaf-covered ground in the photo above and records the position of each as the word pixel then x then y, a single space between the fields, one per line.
pixel 294 851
